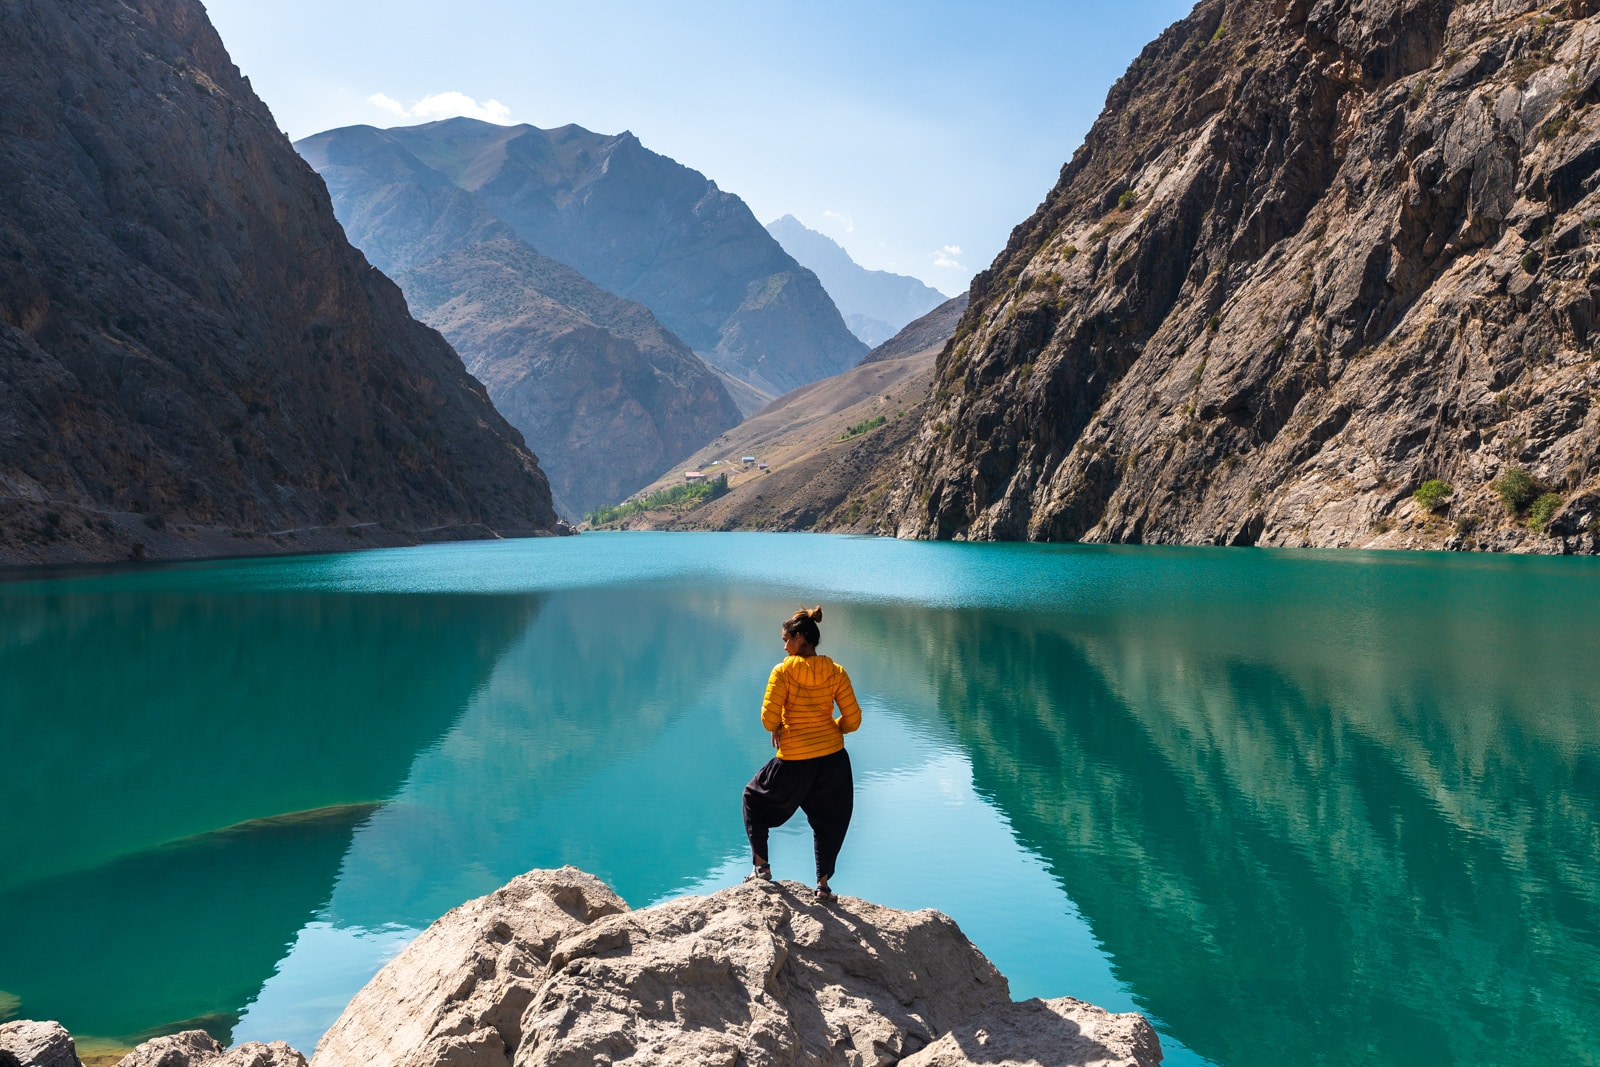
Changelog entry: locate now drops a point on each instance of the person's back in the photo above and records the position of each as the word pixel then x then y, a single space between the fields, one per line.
pixel 811 771
pixel 801 694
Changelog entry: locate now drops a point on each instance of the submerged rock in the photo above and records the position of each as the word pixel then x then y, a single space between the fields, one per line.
pixel 554 969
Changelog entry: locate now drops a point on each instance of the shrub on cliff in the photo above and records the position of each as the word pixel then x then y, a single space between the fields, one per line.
pixel 1542 511
pixel 1518 489
pixel 1433 494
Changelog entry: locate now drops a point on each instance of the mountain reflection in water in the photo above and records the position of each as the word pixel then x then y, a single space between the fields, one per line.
pixel 1299 807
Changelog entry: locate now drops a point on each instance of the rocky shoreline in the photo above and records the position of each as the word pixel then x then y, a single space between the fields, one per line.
pixel 554 968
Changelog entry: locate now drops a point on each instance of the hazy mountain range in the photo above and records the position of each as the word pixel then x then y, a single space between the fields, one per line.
pixel 875 303
pixel 828 446
pixel 641 226
pixel 602 389
pixel 608 273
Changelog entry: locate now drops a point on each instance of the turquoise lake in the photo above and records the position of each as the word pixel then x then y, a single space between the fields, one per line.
pixel 1298 807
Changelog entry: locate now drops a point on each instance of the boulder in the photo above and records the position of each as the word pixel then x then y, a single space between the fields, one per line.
pixel 555 969
pixel 457 994
pixel 196 1048
pixel 26 1043
pixel 1045 1033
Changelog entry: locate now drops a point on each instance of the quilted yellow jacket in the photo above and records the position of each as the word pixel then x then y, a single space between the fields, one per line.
pixel 801 694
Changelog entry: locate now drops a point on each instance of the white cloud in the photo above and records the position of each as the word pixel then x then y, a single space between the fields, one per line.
pixel 389 104
pixel 447 105
pixel 946 257
pixel 842 219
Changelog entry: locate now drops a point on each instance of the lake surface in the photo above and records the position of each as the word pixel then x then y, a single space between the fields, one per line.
pixel 1298 807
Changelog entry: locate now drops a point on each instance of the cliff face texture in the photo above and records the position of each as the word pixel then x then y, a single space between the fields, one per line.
pixel 1312 256
pixel 607 394
pixel 649 229
pixel 188 344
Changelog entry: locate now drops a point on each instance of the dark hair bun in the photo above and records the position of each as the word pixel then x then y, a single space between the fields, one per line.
pixel 804 623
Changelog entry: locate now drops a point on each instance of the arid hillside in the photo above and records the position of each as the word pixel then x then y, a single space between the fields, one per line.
pixel 829 447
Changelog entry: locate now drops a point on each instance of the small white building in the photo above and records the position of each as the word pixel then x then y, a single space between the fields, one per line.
pixel 693 476
pixel 747 460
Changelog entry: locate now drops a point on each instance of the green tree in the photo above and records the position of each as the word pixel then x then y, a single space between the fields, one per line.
pixel 1433 494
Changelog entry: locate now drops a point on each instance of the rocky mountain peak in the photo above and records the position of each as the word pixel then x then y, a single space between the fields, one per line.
pixel 649 229
pixel 875 303
pixel 1311 257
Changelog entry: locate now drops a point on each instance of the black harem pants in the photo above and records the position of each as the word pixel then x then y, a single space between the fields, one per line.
pixel 823 788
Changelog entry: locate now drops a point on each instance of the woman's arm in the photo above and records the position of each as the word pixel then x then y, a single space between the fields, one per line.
pixel 772 704
pixel 844 695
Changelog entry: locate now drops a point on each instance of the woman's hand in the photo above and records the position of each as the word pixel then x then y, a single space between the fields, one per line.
pixel 775 738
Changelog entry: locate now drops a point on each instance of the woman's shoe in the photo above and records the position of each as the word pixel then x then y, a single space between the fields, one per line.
pixel 761 872
pixel 824 894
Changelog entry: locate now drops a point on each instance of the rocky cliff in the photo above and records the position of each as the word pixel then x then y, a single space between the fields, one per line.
pixel 875 303
pixel 606 393
pixel 649 229
pixel 1311 258
pixel 194 358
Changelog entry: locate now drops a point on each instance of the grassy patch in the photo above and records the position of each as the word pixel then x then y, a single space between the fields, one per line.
pixel 1542 510
pixel 864 426
pixel 681 497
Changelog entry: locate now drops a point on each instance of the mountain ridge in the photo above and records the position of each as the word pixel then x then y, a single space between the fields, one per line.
pixel 196 362
pixel 828 447
pixel 1308 259
pixel 607 391
pixel 875 304
pixel 648 228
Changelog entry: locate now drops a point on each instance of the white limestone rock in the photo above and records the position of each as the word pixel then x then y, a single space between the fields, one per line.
pixel 457 994
pixel 27 1043
pixel 554 969
pixel 196 1048
pixel 1045 1033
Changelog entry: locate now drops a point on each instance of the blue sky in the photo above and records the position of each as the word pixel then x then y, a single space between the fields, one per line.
pixel 916 135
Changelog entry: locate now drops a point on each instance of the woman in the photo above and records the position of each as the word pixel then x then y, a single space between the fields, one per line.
pixel 811 770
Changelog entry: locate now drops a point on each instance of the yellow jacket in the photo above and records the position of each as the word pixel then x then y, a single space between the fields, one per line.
pixel 799 703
